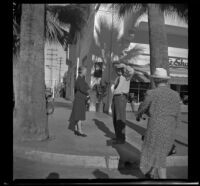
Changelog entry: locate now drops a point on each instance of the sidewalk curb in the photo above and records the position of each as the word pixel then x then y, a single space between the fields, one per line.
pixel 61 159
pixel 110 162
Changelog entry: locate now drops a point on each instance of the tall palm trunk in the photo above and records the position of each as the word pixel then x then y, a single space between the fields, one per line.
pixel 157 40
pixel 81 50
pixel 15 78
pixel 87 34
pixel 71 73
pixel 31 118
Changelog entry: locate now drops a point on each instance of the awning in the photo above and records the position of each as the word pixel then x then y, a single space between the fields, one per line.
pixel 173 80
pixel 140 78
pixel 179 80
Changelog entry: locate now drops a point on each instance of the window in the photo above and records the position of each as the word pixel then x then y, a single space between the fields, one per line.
pixel 139 89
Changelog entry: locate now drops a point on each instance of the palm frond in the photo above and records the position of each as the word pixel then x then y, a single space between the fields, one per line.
pixel 124 9
pixel 132 54
pixel 74 14
pixel 176 9
pixel 56 31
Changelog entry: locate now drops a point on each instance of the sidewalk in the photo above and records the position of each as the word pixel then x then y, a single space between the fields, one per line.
pixel 95 150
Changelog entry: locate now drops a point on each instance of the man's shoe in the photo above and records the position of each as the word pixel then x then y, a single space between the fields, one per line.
pixel 81 134
pixel 114 139
pixel 118 142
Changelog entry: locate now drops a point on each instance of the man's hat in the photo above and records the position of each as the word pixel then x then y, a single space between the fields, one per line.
pixel 160 73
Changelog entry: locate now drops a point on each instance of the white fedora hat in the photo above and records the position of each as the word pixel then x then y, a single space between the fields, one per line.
pixel 160 73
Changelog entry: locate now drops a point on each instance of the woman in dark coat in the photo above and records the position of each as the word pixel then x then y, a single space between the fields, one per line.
pixel 163 107
pixel 79 105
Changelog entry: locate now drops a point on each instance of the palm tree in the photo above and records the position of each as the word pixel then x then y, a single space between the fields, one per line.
pixel 29 66
pixel 29 83
pixel 81 20
pixel 31 118
pixel 109 41
pixel 157 33
pixel 56 32
pixel 57 20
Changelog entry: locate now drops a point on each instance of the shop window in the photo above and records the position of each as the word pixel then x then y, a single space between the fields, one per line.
pixel 184 94
pixel 139 89
pixel 173 87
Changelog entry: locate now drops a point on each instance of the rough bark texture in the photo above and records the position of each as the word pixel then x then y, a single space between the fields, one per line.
pixel 81 50
pixel 71 73
pixel 15 78
pixel 87 35
pixel 31 115
pixel 157 39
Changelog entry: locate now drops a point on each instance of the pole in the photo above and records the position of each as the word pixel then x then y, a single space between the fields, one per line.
pixel 51 58
pixel 60 62
pixel 68 52
pixel 109 65
pixel 78 58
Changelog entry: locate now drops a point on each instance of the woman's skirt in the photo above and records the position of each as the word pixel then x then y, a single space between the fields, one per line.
pixel 78 112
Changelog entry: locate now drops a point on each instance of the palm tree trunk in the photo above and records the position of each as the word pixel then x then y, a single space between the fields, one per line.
pixel 157 40
pixel 31 117
pixel 87 34
pixel 71 73
pixel 15 78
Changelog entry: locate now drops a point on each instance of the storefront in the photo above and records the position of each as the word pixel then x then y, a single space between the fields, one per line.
pixel 178 82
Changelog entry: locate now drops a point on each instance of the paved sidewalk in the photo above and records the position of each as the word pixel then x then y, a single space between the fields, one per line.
pixel 95 150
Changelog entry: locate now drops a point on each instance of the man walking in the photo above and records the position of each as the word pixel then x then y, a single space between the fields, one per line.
pixel 120 94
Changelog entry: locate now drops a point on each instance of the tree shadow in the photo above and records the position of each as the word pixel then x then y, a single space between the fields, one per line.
pixel 100 175
pixel 53 175
pixel 128 154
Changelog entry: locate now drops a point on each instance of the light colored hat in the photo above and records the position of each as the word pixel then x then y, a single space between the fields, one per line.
pixel 160 73
pixel 128 70
pixel 120 65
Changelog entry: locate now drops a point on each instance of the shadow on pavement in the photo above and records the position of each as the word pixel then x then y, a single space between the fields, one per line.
pixel 135 127
pixel 181 143
pixel 129 155
pixel 53 175
pixel 100 175
pixel 104 128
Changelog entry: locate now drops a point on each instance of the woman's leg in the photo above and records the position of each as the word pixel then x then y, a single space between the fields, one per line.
pixel 76 127
pixel 79 126
pixel 162 173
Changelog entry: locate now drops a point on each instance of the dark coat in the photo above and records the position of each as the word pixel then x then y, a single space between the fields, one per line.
pixel 79 104
pixel 163 107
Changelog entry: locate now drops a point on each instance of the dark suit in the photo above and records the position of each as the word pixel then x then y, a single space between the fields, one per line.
pixel 119 116
pixel 119 107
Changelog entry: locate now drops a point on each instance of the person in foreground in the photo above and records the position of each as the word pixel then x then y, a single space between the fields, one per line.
pixel 79 105
pixel 163 108
pixel 120 91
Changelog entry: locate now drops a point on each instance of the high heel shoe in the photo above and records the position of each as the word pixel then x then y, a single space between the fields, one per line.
pixel 80 134
pixel 76 133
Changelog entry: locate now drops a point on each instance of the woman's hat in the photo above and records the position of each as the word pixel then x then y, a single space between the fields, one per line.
pixel 80 69
pixel 127 68
pixel 160 73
